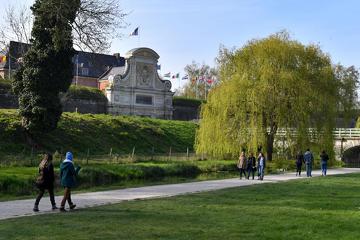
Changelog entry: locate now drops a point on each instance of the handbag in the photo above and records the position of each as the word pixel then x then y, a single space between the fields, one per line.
pixel 39 181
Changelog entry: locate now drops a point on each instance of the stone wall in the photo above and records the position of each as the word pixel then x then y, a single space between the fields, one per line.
pixel 84 106
pixel 185 113
pixel 8 101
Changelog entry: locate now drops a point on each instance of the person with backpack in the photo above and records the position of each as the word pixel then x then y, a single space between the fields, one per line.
pixel 308 158
pixel 324 158
pixel 251 165
pixel 299 162
pixel 68 174
pixel 241 164
pixel 45 181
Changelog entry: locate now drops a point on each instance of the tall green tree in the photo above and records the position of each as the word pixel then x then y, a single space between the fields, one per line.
pixel 268 84
pixel 47 66
pixel 348 80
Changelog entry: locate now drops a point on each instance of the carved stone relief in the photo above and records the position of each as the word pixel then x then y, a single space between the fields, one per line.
pixel 144 74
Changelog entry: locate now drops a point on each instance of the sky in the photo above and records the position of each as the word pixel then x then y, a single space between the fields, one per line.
pixel 182 31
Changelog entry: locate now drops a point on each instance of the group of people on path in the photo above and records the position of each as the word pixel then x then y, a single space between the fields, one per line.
pixel 46 180
pixel 308 159
pixel 250 164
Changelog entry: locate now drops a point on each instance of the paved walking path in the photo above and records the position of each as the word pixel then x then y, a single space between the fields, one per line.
pixel 19 208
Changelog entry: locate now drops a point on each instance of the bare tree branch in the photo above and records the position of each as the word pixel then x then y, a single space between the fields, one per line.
pixel 98 22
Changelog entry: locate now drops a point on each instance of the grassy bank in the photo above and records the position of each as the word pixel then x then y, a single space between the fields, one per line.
pixel 18 182
pixel 318 208
pixel 98 134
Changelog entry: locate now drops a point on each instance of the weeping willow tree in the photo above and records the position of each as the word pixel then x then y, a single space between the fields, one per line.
pixel 269 85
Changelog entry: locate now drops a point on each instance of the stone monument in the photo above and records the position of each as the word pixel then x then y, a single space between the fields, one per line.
pixel 137 89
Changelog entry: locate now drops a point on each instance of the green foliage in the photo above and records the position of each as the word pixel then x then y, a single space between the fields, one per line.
pixel 348 80
pixel 87 93
pixel 5 86
pixel 189 102
pixel 99 133
pixel 305 209
pixel 47 66
pixel 269 84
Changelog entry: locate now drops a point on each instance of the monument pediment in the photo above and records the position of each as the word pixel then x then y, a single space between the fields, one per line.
pixel 143 52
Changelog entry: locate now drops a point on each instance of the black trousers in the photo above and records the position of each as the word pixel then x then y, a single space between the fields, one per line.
pixel 41 194
pixel 252 171
pixel 298 169
pixel 241 171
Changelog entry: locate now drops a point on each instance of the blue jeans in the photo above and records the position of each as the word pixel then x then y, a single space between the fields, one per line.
pixel 308 170
pixel 261 172
pixel 323 168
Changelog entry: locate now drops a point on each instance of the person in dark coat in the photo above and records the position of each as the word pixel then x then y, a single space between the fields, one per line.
pixel 324 158
pixel 45 181
pixel 299 162
pixel 68 174
pixel 251 165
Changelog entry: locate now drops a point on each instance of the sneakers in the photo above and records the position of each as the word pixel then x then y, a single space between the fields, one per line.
pixel 54 207
pixel 36 208
pixel 72 206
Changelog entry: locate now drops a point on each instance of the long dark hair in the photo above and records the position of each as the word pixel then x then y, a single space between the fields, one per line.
pixel 45 161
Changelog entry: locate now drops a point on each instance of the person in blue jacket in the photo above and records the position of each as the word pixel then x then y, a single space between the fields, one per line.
pixel 68 174
pixel 309 159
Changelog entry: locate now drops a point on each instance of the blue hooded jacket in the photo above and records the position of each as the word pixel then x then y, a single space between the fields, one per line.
pixel 68 173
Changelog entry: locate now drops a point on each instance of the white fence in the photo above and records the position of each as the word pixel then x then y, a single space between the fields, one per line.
pixel 339 133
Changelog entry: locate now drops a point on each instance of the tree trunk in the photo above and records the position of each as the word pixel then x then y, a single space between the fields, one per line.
pixel 270 145
pixel 270 137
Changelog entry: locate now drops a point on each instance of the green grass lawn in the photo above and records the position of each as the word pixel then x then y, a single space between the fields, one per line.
pixel 318 208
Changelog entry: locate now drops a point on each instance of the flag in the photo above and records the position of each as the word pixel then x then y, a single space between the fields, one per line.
pixel 167 75
pixel 176 76
pixel 135 32
pixel 186 77
pixel 2 58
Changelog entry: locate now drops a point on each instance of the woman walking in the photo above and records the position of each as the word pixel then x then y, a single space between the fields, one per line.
pixel 68 174
pixel 324 159
pixel 261 166
pixel 241 164
pixel 299 162
pixel 45 181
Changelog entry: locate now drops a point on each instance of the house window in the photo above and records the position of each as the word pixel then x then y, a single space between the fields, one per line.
pixel 144 99
pixel 85 71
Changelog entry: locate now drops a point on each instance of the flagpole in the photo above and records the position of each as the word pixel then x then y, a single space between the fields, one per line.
pixel 139 36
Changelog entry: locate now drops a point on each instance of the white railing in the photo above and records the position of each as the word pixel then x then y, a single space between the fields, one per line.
pixel 338 133
pixel 347 133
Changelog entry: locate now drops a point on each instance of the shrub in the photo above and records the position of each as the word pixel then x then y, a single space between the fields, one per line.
pixel 189 102
pixel 87 93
